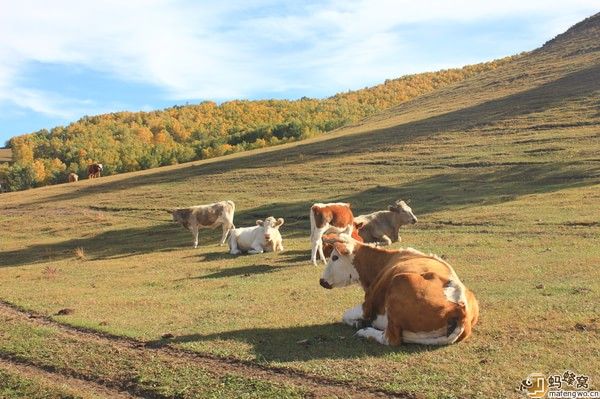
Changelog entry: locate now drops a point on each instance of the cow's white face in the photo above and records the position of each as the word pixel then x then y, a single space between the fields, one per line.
pixel 404 212
pixel 100 166
pixel 340 272
pixel 270 227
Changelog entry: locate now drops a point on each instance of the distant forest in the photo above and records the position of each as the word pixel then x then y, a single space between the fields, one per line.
pixel 130 141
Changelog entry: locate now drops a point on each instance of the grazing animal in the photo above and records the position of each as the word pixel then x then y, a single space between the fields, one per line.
pixel 410 297
pixel 383 227
pixel 336 217
pixel 206 216
pixel 73 177
pixel 328 238
pixel 264 237
pixel 94 170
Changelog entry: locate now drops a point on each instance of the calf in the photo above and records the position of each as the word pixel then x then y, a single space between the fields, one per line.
pixel 335 217
pixel 409 296
pixel 206 216
pixel 264 237
pixel 73 177
pixel 383 227
pixel 94 170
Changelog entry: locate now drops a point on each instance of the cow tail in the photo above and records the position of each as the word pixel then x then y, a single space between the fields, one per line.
pixel 232 215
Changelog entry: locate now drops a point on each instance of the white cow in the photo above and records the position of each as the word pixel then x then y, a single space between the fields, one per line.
pixel 264 237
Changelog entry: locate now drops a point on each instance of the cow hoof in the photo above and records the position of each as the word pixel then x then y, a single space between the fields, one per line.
pixel 235 252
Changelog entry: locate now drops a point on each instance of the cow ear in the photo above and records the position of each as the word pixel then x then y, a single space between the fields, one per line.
pixel 341 248
pixel 279 222
pixel 359 225
pixel 259 222
pixel 392 208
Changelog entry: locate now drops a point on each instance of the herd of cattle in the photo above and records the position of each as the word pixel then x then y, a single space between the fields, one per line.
pixel 410 296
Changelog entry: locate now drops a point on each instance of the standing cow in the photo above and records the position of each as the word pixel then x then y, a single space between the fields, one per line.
pixel 94 170
pixel 335 217
pixel 206 216
pixel 72 177
pixel 264 237
pixel 383 227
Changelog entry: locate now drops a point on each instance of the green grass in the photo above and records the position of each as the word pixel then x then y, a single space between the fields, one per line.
pixel 15 386
pixel 503 173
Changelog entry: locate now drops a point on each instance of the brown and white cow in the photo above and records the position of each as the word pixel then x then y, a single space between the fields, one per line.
pixel 336 217
pixel 206 216
pixel 410 297
pixel 329 238
pixel 383 227
pixel 72 177
pixel 94 170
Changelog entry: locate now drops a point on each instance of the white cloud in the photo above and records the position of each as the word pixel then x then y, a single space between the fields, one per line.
pixel 223 50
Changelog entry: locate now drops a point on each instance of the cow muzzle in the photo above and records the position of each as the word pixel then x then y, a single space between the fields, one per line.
pixel 267 237
pixel 325 284
pixel 414 220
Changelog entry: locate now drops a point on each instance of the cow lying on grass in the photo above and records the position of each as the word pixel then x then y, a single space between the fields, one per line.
pixel 206 216
pixel 264 237
pixel 409 296
pixel 382 227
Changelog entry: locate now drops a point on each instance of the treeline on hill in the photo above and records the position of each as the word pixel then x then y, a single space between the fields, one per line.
pixel 130 141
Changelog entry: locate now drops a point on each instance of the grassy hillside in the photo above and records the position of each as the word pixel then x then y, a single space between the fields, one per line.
pixel 130 141
pixel 503 172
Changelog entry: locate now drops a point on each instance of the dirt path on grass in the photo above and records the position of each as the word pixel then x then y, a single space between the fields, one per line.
pixel 313 385
pixel 80 387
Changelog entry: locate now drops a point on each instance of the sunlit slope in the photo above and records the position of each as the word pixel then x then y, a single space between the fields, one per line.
pixel 503 172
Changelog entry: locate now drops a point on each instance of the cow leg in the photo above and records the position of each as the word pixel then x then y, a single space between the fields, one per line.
pixel 353 316
pixel 226 228
pixel 195 234
pixel 317 245
pixel 385 240
pixel 374 334
pixel 233 247
pixel 256 250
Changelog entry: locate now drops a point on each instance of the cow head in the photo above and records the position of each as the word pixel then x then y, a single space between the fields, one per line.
pixel 100 167
pixel 270 226
pixel 180 215
pixel 340 271
pixel 404 212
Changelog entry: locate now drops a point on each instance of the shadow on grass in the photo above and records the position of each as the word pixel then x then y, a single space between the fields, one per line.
pixel 241 271
pixel 325 341
pixel 474 185
pixel 112 244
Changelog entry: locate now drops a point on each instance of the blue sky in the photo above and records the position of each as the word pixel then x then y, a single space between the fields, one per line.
pixel 63 59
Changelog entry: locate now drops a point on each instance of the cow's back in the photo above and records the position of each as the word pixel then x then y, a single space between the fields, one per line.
pixel 402 262
pixel 419 303
pixel 207 215
pixel 375 224
pixel 337 214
